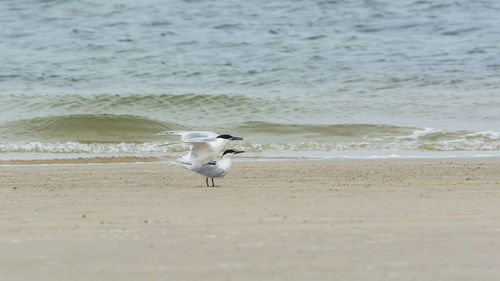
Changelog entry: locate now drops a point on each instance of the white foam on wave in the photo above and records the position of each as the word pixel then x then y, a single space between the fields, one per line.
pixel 421 133
pixel 486 134
pixel 427 139
pixel 85 148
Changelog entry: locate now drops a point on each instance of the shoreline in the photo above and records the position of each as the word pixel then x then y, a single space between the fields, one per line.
pixel 164 158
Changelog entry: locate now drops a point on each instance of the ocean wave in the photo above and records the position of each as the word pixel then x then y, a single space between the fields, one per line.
pixel 105 133
pixel 84 128
pixel 321 130
pixel 178 108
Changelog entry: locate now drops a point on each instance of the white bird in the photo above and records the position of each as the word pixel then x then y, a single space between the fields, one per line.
pixel 205 145
pixel 214 168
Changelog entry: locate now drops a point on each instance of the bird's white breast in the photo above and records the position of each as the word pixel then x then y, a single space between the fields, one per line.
pixel 225 163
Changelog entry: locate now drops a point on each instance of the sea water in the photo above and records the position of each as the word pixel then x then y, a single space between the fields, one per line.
pixel 308 78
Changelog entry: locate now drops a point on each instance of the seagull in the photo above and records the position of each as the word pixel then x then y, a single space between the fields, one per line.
pixel 214 168
pixel 205 145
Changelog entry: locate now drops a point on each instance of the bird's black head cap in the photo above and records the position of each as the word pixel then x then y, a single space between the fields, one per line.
pixel 232 152
pixel 225 136
pixel 228 151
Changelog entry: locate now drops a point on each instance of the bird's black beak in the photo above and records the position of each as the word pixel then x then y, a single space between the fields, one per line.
pixel 237 138
pixel 237 152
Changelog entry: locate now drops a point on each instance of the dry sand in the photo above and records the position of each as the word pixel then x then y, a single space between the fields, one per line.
pixel 427 219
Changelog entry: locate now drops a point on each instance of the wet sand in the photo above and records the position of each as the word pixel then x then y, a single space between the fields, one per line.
pixel 413 219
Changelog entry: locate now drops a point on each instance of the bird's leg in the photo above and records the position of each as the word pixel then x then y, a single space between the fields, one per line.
pixel 207 182
pixel 213 182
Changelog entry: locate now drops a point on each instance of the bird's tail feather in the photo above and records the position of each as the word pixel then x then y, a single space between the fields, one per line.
pixel 175 163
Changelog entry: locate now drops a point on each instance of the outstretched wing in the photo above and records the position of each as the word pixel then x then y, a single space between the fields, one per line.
pixel 199 154
pixel 192 136
pixel 201 150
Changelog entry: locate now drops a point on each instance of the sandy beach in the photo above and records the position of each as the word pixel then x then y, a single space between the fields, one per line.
pixel 388 219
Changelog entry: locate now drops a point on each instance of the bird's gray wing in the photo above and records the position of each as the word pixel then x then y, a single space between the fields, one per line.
pixel 192 136
pixel 211 171
pixel 197 141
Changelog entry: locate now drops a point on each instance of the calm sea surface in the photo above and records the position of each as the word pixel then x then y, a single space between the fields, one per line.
pixel 294 77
